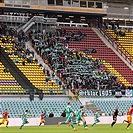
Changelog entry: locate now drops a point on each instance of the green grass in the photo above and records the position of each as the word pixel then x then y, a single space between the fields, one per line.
pixel 118 128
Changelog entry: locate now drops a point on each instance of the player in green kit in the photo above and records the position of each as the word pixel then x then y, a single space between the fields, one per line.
pixel 24 119
pixel 96 116
pixel 80 117
pixel 69 114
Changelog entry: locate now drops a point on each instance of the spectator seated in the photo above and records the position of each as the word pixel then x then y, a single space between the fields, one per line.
pixel 24 60
pixel 76 69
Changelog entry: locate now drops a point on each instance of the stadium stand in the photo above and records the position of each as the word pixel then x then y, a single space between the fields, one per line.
pixel 76 69
pixel 79 59
pixel 108 106
pixel 76 55
pixel 29 67
pixel 124 39
pixel 17 107
pixel 103 52
pixel 8 82
pixel 75 38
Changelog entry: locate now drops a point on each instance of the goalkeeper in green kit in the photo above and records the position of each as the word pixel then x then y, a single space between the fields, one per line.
pixel 69 114
pixel 24 119
pixel 96 116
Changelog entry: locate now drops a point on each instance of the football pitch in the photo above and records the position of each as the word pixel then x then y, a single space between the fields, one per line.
pixel 118 128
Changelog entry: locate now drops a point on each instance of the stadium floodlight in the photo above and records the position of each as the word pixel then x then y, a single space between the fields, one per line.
pixel 67 18
pixel 127 19
pixel 71 16
pixel 82 16
pixel 121 19
pixel 110 18
pixel 126 8
pixel 105 6
pixel 105 18
pixel 115 18
pixel 59 15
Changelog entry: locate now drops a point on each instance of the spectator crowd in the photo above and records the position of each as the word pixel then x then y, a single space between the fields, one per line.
pixel 77 70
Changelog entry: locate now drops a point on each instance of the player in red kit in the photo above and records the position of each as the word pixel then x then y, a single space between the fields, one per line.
pixel 42 118
pixel 129 117
pixel 5 118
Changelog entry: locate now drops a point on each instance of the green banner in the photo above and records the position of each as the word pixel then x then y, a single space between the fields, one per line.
pixel 105 93
pixel 95 93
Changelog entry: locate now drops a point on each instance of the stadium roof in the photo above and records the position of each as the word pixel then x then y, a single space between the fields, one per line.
pixel 119 1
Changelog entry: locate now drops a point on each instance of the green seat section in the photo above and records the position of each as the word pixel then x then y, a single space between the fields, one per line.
pixel 108 106
pixel 17 107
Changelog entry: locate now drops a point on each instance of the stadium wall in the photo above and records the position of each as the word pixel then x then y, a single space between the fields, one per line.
pixel 36 97
pixel 54 121
pixel 118 8
pixel 85 100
